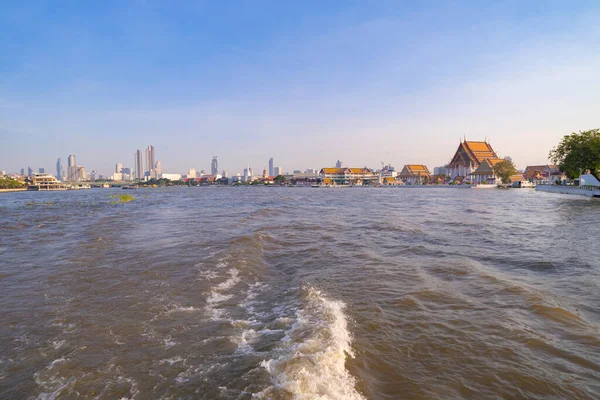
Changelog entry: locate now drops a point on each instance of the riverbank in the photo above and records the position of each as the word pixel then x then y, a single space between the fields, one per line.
pixel 13 190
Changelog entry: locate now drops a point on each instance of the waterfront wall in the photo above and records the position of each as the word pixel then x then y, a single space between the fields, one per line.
pixel 574 190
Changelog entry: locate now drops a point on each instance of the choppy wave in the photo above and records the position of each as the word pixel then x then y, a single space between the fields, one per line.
pixel 310 363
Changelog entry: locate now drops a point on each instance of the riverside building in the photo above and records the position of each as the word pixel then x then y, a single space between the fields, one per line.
pixel 348 176
pixel 415 174
pixel 468 158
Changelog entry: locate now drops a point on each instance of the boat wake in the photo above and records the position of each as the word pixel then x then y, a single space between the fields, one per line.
pixel 310 361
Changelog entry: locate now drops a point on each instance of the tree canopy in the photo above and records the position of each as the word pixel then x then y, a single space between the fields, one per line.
pixel 577 153
pixel 8 183
pixel 504 170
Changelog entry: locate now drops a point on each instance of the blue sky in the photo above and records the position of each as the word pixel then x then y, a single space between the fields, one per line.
pixel 305 82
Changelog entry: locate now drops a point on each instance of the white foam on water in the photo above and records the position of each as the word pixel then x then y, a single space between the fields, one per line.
pixel 49 381
pixel 179 308
pixel 245 340
pixel 208 275
pixel 231 281
pixel 171 361
pixel 310 363
pixel 217 295
pixel 57 344
pixel 169 342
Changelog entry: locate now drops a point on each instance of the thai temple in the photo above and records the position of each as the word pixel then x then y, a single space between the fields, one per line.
pixel 474 161
pixel 415 174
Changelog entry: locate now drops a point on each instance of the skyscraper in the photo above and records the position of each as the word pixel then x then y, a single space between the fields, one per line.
pixel 59 170
pixel 29 172
pixel 22 171
pixel 149 159
pixel 271 167
pixel 157 170
pixel 42 170
pixel 214 166
pixel 119 168
pixel 338 164
pixel 139 164
pixel 72 171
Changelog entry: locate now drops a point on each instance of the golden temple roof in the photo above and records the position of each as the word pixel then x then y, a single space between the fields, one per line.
pixel 414 170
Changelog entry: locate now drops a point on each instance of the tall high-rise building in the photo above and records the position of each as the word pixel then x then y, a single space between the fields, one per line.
pixel 157 170
pixel 72 172
pixel 214 166
pixel 225 174
pixel 149 158
pixel 271 172
pixel 29 172
pixel 42 170
pixel 277 171
pixel 59 174
pixel 22 171
pixel 119 168
pixel 139 164
pixel 338 164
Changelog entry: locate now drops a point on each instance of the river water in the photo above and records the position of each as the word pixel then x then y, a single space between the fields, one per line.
pixel 299 293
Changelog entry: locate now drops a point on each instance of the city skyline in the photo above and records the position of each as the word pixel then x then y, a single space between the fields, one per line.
pixel 363 83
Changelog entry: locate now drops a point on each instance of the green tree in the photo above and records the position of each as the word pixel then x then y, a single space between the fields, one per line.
pixel 578 152
pixel 279 179
pixel 504 170
pixel 8 183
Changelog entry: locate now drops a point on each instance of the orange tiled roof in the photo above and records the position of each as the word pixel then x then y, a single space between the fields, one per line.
pixel 472 153
pixel 333 170
pixel 517 178
pixel 417 168
pixel 478 146
pixel 480 150
pixel 346 171
pixel 414 170
pixel 357 170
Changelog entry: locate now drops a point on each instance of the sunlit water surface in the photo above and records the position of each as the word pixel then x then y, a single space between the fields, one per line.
pixel 296 293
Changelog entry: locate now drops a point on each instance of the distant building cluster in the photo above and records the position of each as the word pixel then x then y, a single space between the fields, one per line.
pixel 473 162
